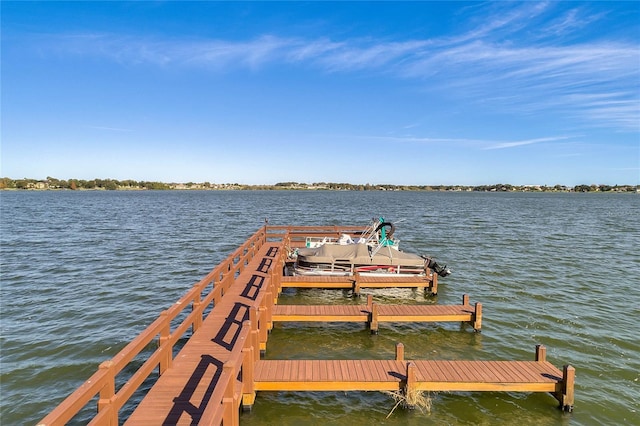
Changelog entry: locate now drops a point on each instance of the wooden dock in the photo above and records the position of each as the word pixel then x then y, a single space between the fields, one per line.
pixel 357 282
pixel 417 375
pixel 373 313
pixel 230 313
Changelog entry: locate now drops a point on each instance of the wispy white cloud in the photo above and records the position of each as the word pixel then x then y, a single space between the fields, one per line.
pixel 372 55
pixel 500 20
pixel 424 140
pixel 221 54
pixel 514 144
pixel 611 107
pixel 412 125
pixel 110 129
pixel 501 60
pixel 569 22
pixel 482 144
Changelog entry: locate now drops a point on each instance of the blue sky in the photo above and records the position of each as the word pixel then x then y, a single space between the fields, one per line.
pixel 415 93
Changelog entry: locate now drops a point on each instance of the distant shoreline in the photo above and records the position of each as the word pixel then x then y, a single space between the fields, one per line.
pixel 53 184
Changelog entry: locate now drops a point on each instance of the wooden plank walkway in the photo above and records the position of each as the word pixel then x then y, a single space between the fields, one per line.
pixel 182 393
pixel 360 281
pixel 320 313
pixel 418 375
pixel 374 313
pixel 389 375
pixel 317 281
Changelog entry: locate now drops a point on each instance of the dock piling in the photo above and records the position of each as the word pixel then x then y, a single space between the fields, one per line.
pixel 399 352
pixel 541 353
pixel 410 388
pixel 373 323
pixel 568 383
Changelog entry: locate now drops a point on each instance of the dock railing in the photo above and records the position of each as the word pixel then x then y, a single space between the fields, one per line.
pixel 223 406
pixel 201 298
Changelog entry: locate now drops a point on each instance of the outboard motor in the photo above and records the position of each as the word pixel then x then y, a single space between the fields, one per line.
pixel 442 271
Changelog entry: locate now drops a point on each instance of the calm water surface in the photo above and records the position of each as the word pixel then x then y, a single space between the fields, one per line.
pixel 82 273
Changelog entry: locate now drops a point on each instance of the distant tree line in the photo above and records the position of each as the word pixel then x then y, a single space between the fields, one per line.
pixel 480 188
pixel 73 184
pixel 51 183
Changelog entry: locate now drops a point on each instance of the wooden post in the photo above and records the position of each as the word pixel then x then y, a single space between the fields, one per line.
pixel 410 388
pixel 165 348
pixel 356 284
pixel 434 283
pixel 197 321
pixel 278 281
pixel 373 323
pixel 369 302
pixel 541 353
pixel 255 339
pixel 568 383
pixel 477 317
pixel 108 393
pixel 268 301
pixel 223 284
pixel 248 385
pixel 399 352
pixel 262 328
pixel 271 288
pixel 465 300
pixel 230 416
pixel 253 318
pixel 217 296
pixel 276 272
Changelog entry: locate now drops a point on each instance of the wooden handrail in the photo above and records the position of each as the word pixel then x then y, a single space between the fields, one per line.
pixel 102 382
pixel 212 414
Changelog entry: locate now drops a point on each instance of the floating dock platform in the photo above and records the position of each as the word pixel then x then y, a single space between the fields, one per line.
pixel 229 314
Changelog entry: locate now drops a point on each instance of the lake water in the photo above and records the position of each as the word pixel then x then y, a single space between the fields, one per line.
pixel 84 272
